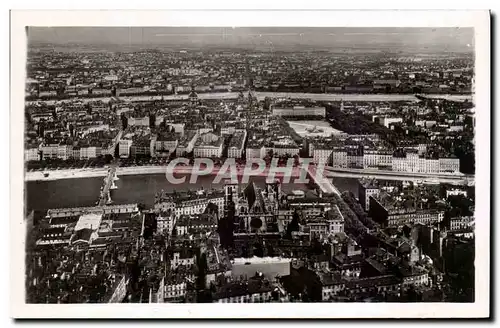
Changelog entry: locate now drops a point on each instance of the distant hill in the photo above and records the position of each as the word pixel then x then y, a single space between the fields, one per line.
pixel 394 40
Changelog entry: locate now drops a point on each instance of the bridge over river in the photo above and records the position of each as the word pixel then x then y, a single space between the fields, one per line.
pixel 456 179
pixel 109 184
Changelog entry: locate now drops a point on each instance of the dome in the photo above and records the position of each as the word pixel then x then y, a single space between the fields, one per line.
pixel 426 260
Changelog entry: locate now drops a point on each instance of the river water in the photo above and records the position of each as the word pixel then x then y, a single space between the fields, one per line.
pixel 42 195
pixel 294 95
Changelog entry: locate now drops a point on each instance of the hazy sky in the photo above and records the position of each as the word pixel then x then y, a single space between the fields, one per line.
pixel 447 39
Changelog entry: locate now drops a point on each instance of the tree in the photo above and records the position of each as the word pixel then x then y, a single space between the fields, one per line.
pixel 349 198
pixel 352 222
pixel 316 247
pixel 460 206
pixel 270 250
pixel 258 250
pixel 465 153
pixel 152 120
pixel 124 121
pixel 108 158
pixel 163 125
pixel 293 225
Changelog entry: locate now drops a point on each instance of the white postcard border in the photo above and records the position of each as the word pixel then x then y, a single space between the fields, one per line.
pixel 480 20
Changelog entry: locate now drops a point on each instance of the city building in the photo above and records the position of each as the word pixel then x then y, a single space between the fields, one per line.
pixel 367 189
pixel 186 144
pixel 394 211
pixel 387 121
pixel 165 144
pixel 253 290
pixel 298 111
pixel 165 222
pixel 31 153
pixel 124 146
pixel 237 144
pixel 182 257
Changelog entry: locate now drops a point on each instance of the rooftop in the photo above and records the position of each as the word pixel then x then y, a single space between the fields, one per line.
pixel 259 260
pixel 189 195
pixel 242 288
pixel 369 183
pixel 237 139
pixel 89 221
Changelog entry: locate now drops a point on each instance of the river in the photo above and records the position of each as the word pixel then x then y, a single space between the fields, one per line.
pixel 293 95
pixel 42 195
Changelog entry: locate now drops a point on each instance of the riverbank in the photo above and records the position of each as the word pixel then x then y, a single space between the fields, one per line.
pixel 90 173
pixel 186 170
pixel 132 170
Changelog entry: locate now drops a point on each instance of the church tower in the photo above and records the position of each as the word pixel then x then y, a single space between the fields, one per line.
pixel 193 97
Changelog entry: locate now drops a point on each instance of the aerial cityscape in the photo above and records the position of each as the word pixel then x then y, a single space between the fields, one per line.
pixel 249 165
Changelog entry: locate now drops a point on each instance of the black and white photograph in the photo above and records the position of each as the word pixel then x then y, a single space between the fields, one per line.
pixel 295 165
